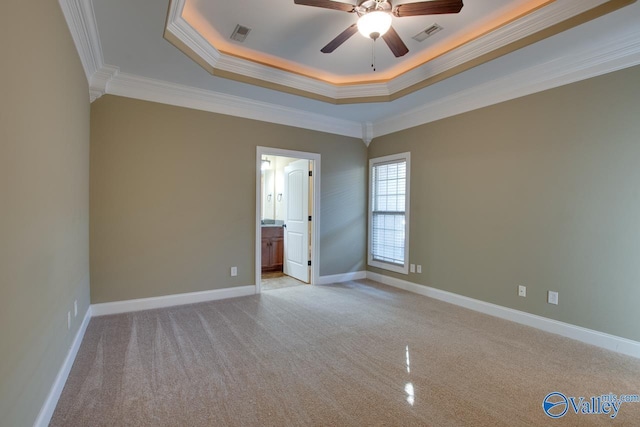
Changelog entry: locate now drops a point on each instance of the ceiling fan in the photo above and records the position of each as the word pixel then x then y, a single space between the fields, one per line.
pixel 374 19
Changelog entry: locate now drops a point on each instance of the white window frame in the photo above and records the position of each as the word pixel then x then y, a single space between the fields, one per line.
pixel 403 269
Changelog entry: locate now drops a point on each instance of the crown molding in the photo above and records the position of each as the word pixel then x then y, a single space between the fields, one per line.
pixel 132 86
pixel 615 54
pixel 367 132
pixel 525 30
pixel 620 50
pixel 100 79
pixel 605 57
pixel 181 29
pixel 81 21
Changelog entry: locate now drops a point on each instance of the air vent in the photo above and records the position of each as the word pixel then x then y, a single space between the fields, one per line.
pixel 427 32
pixel 240 33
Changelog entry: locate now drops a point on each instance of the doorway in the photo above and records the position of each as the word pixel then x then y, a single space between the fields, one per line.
pixel 287 213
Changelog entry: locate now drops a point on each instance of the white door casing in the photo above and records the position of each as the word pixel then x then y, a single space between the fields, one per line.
pixel 296 232
pixel 314 208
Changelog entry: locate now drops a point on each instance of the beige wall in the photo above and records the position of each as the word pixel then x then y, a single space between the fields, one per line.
pixel 44 203
pixel 542 191
pixel 173 198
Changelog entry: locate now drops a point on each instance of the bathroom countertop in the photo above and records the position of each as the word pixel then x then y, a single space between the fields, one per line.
pixel 276 223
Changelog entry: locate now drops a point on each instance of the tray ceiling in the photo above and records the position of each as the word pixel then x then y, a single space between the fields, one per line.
pixel 123 52
pixel 282 51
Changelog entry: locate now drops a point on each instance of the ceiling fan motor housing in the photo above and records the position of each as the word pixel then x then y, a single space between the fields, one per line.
pixel 366 6
pixel 375 19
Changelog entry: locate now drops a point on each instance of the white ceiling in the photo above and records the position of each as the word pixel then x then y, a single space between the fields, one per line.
pixel 124 52
pixel 296 33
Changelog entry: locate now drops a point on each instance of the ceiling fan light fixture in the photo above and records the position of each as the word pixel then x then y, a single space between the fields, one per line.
pixel 374 24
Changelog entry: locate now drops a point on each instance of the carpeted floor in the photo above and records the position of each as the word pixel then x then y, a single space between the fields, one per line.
pixel 354 354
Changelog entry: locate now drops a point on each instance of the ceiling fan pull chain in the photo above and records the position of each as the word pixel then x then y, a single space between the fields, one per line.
pixel 373 55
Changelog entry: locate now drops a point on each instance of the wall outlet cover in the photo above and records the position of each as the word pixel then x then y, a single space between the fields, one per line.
pixel 522 291
pixel 552 298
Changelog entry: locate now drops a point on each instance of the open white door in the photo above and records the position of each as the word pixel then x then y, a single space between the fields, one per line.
pixel 296 232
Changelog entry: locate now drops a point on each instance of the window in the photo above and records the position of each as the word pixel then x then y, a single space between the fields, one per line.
pixel 389 212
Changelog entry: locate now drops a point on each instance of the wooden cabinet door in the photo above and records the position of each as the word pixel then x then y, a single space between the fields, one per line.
pixel 272 248
pixel 266 253
pixel 277 252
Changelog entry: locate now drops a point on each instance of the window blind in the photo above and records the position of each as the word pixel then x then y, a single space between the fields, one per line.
pixel 388 212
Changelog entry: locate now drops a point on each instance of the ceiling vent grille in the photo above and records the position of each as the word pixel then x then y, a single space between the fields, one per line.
pixel 240 33
pixel 427 32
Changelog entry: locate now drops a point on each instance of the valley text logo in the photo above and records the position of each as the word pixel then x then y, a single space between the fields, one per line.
pixel 556 404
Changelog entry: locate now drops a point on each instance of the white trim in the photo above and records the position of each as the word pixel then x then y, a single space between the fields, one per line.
pixel 513 31
pixel 315 223
pixel 589 336
pixel 183 31
pixel 617 53
pixel 49 406
pixel 367 133
pixel 117 307
pixel 621 51
pixel 81 21
pixel 132 86
pixel 99 81
pixel 340 278
pixel 618 50
pixel 407 213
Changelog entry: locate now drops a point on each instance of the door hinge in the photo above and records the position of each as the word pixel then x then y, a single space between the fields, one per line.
pixel 309 263
pixel 310 173
pixel 309 217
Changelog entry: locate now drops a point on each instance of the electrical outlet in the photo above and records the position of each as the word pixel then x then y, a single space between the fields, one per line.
pixel 75 308
pixel 419 269
pixel 412 268
pixel 234 271
pixel 522 291
pixel 68 320
pixel 552 298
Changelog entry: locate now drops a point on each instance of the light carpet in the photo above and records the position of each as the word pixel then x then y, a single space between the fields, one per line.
pixel 354 354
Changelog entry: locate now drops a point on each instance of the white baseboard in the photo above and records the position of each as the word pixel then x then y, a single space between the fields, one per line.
pixel 117 307
pixel 339 278
pixel 49 406
pixel 589 336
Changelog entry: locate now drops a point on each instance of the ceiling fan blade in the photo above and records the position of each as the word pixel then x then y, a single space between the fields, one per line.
pixel 327 4
pixel 395 43
pixel 432 7
pixel 342 37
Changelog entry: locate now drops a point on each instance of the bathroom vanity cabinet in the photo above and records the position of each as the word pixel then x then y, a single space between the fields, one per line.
pixel 272 248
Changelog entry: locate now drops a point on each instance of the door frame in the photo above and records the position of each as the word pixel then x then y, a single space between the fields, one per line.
pixel 315 211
